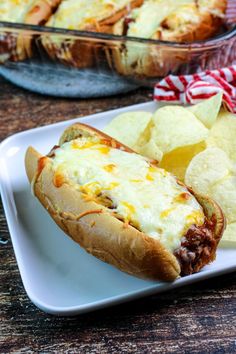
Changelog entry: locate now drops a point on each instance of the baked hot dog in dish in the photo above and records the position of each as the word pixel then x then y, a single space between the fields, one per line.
pixel 84 15
pixel 18 46
pixel 167 20
pixel 122 208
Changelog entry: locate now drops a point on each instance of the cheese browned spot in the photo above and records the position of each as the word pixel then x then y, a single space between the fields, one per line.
pixel 58 179
pixel 158 206
pixel 183 197
pixel 41 164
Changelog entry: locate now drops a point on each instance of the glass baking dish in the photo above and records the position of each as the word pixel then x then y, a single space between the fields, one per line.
pixel 70 63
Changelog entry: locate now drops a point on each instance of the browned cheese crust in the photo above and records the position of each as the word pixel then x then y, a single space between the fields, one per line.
pixel 158 62
pixel 97 231
pixel 14 46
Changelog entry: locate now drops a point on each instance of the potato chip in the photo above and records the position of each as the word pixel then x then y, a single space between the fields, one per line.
pixel 129 127
pixel 229 237
pixel 150 150
pixel 144 137
pixel 175 127
pixel 223 134
pixel 224 192
pixel 207 110
pixel 178 160
pixel 207 168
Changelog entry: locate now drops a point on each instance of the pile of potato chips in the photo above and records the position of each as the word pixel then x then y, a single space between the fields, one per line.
pixel 197 144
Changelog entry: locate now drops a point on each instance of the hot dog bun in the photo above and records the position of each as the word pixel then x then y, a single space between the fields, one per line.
pixel 102 234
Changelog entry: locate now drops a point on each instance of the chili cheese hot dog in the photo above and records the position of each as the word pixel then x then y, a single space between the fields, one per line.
pixel 122 208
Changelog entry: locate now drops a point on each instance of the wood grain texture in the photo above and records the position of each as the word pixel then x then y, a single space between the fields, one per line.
pixel 195 319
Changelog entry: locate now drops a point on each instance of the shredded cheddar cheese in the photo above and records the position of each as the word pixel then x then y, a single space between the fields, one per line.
pixel 194 218
pixel 149 177
pixel 110 167
pixel 152 169
pixel 111 186
pixel 85 213
pixel 91 188
pixel 166 213
pixel 130 207
pixel 104 149
pixel 75 145
pixel 87 145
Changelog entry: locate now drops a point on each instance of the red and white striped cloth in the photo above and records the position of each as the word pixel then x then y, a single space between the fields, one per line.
pixel 194 88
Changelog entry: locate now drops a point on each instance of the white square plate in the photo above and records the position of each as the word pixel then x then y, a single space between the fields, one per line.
pixel 60 277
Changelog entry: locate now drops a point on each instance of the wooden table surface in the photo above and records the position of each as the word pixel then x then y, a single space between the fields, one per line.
pixel 200 318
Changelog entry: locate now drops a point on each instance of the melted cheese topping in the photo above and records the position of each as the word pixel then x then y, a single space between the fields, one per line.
pixel 14 10
pixel 80 14
pixel 182 17
pixel 150 15
pixel 147 197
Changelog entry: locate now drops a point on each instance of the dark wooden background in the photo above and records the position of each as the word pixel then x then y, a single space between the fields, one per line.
pixel 195 319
